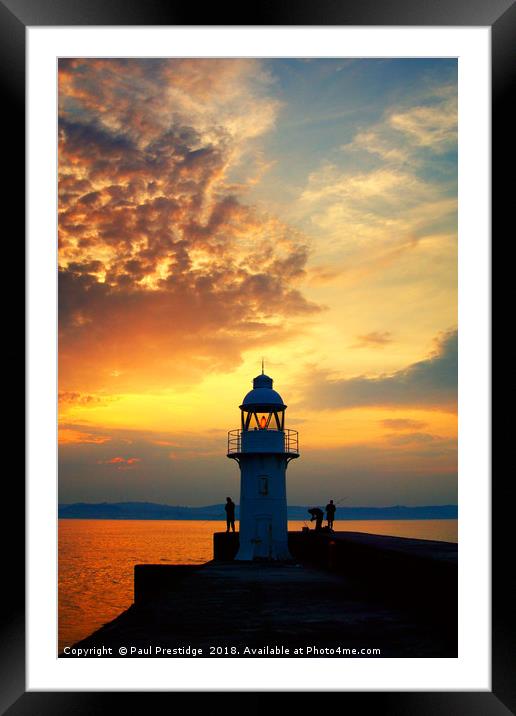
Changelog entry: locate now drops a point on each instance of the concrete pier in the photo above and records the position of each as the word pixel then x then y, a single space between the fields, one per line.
pixel 346 590
pixel 423 572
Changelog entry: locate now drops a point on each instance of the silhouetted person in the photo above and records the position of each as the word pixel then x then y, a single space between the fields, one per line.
pixel 230 514
pixel 330 513
pixel 317 515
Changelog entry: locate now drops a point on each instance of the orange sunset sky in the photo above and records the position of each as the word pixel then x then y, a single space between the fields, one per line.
pixel 215 211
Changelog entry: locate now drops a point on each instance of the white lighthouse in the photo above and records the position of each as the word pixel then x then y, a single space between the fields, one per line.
pixel 263 448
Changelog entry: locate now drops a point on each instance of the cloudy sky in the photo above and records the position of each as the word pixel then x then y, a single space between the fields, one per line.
pixel 212 212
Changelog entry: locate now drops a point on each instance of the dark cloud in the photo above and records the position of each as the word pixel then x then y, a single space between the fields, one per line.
pixel 375 339
pixel 420 438
pixel 403 424
pixel 75 398
pixel 430 383
pixel 121 463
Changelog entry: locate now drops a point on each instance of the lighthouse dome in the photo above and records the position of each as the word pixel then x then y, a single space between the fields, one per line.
pixel 262 395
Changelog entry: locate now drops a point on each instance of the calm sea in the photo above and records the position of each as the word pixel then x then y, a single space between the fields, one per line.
pixel 96 559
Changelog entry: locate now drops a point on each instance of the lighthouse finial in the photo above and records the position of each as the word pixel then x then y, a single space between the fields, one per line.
pixel 263 371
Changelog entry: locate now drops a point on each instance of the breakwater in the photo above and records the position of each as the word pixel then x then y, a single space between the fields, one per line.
pixel 341 593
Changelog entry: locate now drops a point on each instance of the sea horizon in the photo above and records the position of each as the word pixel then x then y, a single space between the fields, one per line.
pixel 139 510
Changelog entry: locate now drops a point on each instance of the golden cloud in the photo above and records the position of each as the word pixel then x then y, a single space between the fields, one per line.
pixel 164 272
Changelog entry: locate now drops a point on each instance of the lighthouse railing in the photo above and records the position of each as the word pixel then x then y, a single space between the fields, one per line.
pixel 291 441
pixel 234 441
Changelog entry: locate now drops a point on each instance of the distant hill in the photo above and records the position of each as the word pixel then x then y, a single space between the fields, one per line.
pixel 153 511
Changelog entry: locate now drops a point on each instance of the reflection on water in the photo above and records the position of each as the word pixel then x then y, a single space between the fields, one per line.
pixel 97 557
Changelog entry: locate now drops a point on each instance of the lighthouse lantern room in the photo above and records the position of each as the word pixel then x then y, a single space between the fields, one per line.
pixel 263 449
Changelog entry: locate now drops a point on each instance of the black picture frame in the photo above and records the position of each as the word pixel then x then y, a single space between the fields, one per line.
pixel 500 16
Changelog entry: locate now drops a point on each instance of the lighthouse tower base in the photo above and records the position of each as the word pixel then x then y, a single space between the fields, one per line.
pixel 226 546
pixel 280 553
pixel 249 552
pixel 263 530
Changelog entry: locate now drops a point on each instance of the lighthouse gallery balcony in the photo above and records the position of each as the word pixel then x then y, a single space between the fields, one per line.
pixel 263 440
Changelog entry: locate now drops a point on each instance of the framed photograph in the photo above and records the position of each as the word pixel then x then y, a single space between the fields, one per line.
pixel 266 240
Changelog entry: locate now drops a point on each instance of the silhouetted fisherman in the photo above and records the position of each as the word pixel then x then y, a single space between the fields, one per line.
pixel 317 515
pixel 330 513
pixel 230 514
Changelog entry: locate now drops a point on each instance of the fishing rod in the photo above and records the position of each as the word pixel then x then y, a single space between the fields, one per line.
pixel 335 503
pixel 342 499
